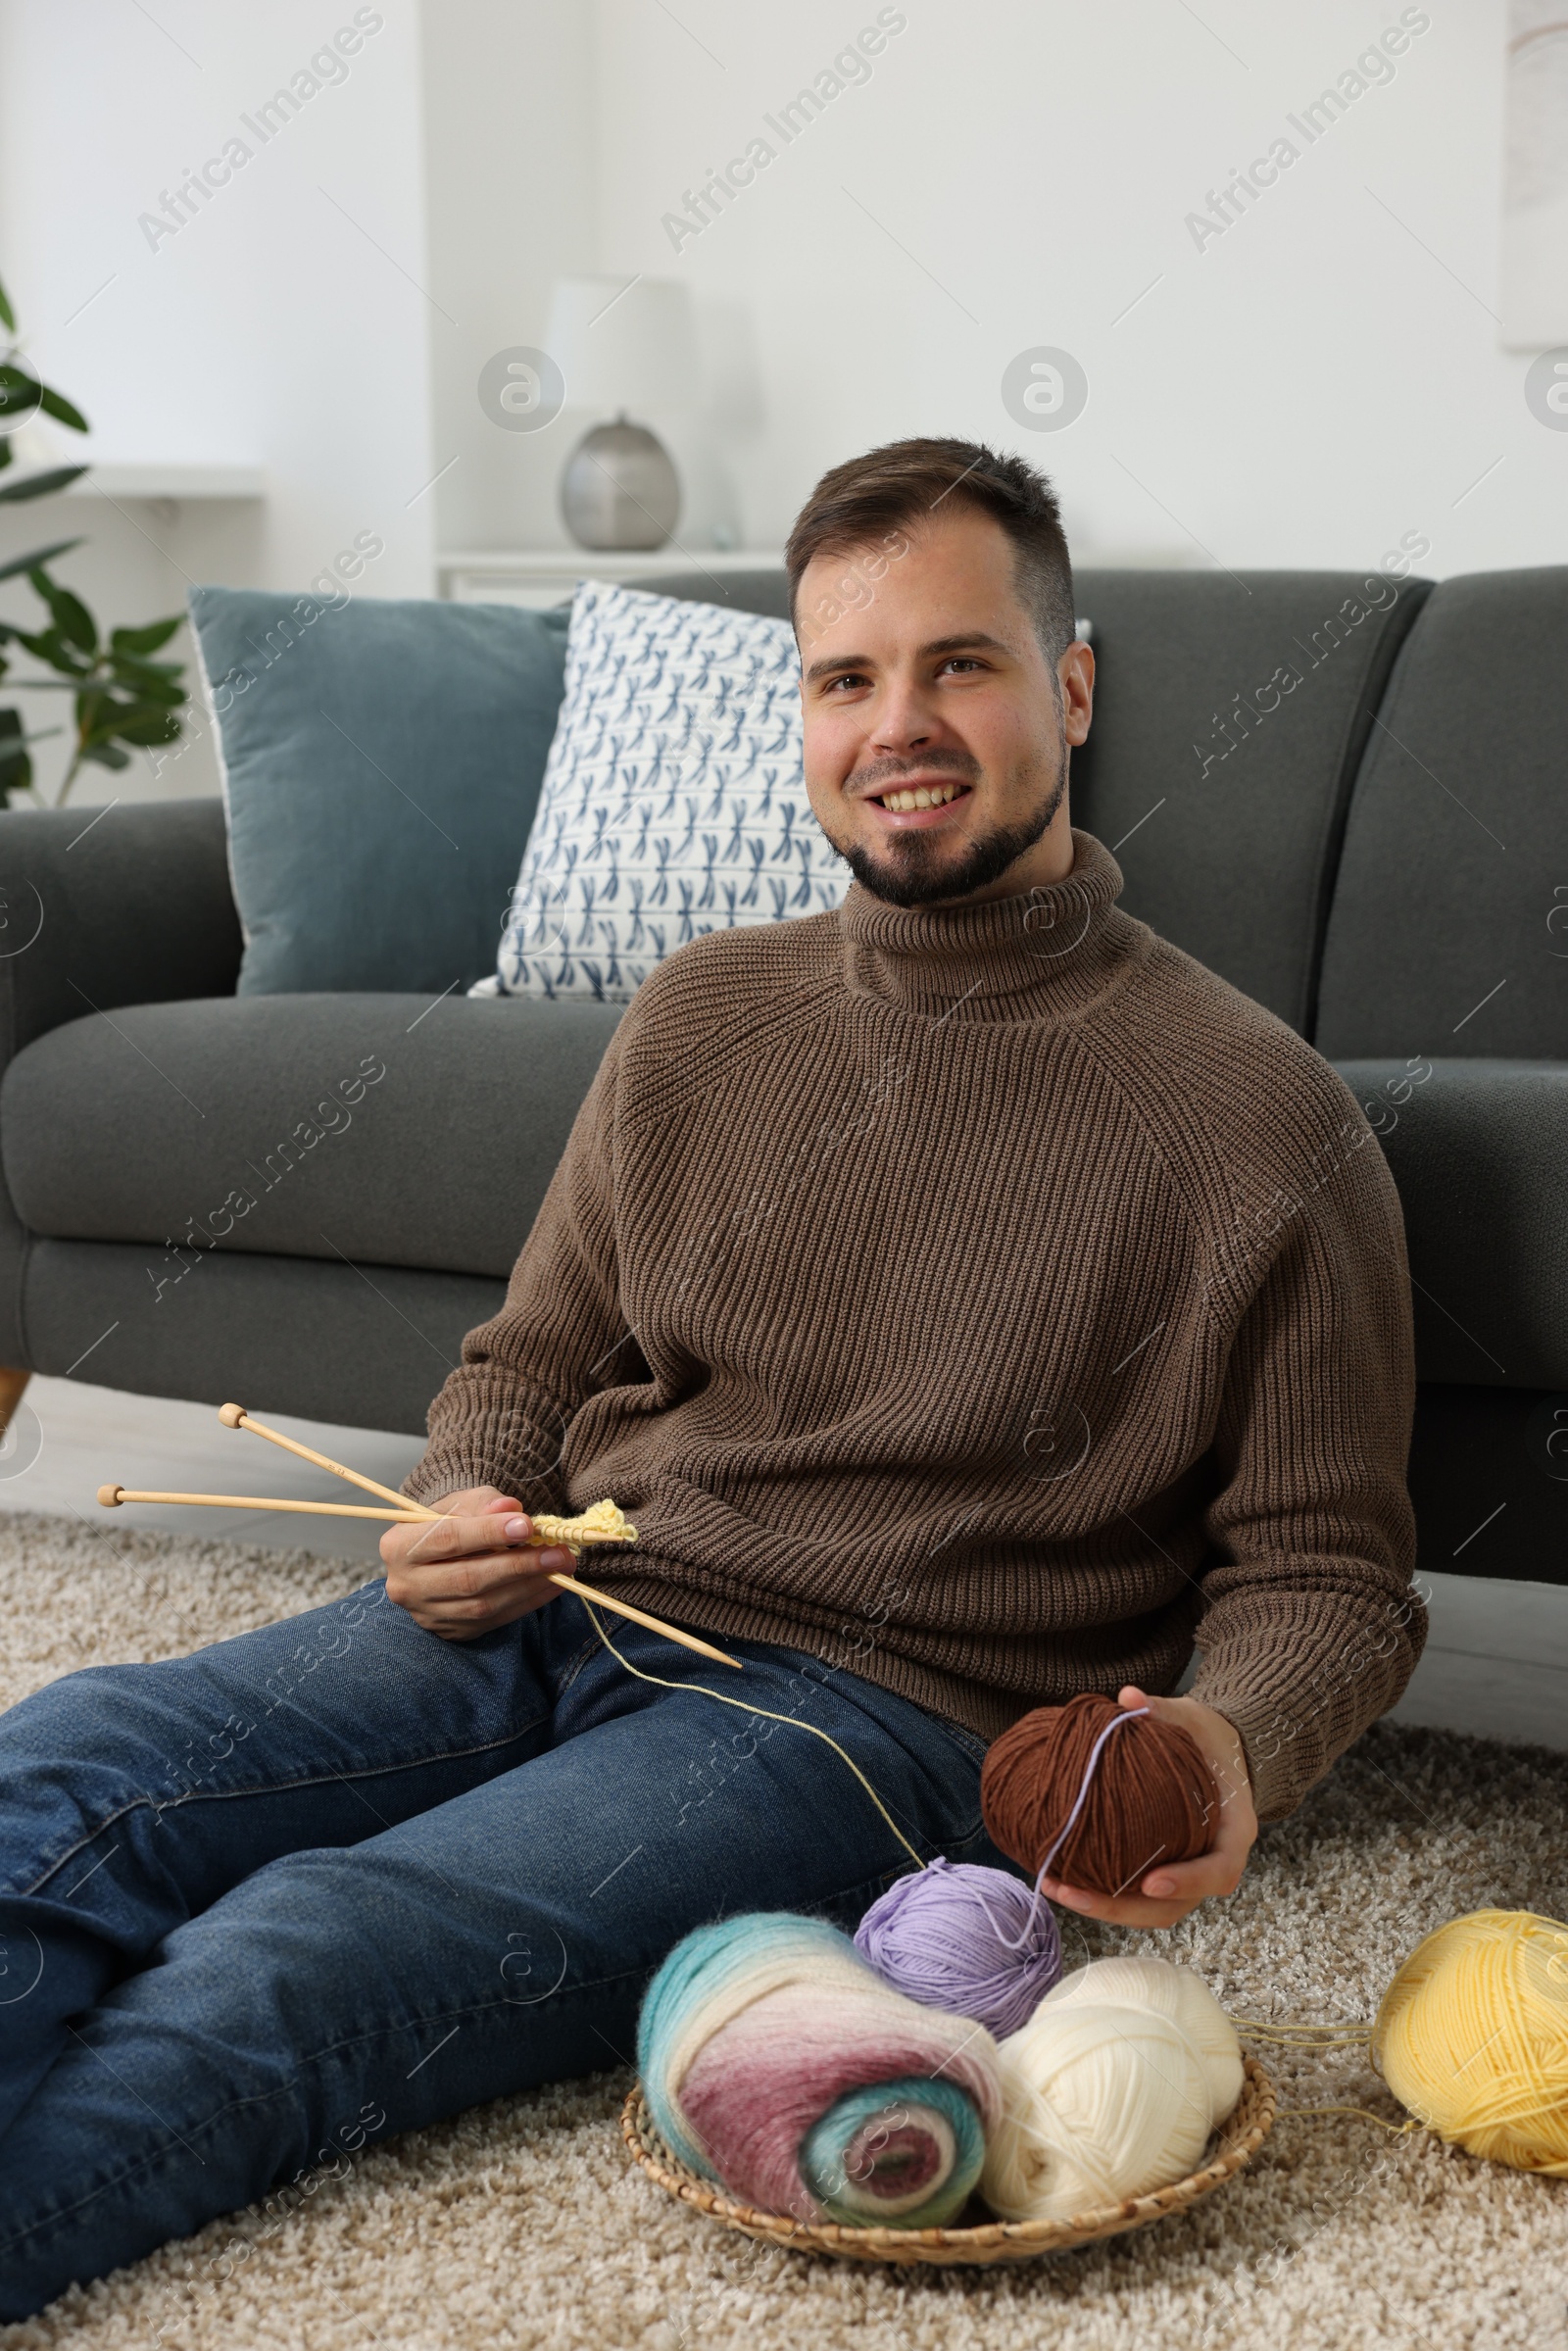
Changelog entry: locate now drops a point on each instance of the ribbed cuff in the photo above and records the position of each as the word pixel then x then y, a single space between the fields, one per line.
pixel 1269 1739
pixel 1295 1712
pixel 437 1474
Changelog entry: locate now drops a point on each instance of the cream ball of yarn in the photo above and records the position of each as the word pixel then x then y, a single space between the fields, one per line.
pixel 1134 1982
pixel 1110 2091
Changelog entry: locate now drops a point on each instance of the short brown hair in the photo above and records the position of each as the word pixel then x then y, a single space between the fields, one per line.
pixel 870 499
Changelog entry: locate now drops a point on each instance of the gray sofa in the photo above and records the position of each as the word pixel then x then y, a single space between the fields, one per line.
pixel 1378 851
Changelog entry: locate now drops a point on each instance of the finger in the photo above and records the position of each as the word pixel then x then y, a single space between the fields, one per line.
pixel 1130 1698
pixel 1118 1910
pixel 1215 1872
pixel 477 1575
pixel 467 1620
pixel 1164 1710
pixel 452 1536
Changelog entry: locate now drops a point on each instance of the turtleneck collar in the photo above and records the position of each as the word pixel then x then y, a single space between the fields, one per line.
pixel 1044 955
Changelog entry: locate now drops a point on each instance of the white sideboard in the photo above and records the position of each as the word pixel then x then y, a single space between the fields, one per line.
pixel 539 580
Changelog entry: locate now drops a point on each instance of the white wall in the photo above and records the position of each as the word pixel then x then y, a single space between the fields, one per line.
pixel 1303 389
pixel 284 325
pixel 1321 379
pixel 516 128
pixel 512 175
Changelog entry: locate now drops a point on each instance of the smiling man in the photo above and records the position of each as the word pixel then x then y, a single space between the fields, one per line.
pixel 972 1299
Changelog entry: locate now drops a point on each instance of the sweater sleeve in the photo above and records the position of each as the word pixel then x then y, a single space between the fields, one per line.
pixel 1311 1626
pixel 501 1417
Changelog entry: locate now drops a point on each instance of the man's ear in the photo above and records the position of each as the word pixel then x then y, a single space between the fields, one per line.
pixel 1075 673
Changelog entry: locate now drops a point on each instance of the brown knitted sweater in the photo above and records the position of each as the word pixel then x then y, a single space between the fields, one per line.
pixel 990 1300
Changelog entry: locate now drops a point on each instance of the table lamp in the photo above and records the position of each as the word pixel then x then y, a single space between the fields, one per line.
pixel 622 346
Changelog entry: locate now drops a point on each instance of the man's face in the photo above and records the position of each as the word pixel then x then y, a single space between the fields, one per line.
pixel 935 689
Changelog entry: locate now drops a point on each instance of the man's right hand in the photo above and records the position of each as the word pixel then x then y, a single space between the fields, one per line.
pixel 471 1569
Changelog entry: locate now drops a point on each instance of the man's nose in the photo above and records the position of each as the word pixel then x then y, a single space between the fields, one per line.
pixel 904 719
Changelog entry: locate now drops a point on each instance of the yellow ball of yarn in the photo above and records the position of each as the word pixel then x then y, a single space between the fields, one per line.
pixel 1472 2036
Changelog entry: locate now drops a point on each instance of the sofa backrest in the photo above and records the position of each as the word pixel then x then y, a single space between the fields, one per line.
pixel 1231 712
pixel 1449 928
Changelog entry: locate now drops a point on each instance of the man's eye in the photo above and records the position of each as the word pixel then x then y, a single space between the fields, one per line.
pixel 850 677
pixel 963 661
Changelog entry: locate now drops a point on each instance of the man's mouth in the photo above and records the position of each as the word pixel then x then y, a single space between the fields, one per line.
pixel 904 806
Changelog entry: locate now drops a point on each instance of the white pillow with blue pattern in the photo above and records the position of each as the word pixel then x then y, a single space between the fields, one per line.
pixel 673 800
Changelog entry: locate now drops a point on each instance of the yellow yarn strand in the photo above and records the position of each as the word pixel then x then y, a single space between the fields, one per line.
pixel 747 1708
pixel 1306 2036
pixel 1399 2129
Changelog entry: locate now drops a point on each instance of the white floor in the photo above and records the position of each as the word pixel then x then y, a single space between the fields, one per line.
pixel 1496 1661
pixel 67 1438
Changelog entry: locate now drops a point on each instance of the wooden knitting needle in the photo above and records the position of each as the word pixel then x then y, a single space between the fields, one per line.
pixel 234 1416
pixel 111 1496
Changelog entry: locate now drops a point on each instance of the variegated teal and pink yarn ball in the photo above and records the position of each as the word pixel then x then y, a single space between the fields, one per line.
pixel 776 2063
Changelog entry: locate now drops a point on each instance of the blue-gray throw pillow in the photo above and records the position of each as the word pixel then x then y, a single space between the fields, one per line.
pixel 381 762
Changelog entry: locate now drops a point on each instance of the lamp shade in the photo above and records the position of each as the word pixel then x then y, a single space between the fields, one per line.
pixel 624 345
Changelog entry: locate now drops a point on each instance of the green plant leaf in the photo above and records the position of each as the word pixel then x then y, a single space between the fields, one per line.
pixel 8 317
pixel 148 725
pixel 166 692
pixel 56 405
pixel 71 615
pixel 119 659
pixel 40 485
pixel 40 555
pixel 106 755
pixel 21 393
pixel 51 647
pixel 101 716
pixel 5 455
pixel 142 640
pixel 135 666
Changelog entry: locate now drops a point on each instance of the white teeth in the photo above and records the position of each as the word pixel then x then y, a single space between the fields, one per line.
pixel 920 798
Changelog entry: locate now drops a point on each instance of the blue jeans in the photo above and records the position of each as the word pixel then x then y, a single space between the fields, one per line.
pixel 338 1878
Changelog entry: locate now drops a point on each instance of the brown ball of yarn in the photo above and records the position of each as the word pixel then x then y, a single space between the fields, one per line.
pixel 1153 1797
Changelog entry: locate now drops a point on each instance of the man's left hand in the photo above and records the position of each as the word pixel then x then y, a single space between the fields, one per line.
pixel 1171 1889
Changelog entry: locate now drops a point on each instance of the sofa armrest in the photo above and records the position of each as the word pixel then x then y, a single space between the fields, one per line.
pixel 130 907
pixel 1479 1150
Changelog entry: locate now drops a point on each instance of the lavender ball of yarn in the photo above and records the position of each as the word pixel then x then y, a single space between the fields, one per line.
pixel 968 1939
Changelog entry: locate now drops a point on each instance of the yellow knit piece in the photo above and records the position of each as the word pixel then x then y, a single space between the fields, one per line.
pixel 604 1523
pixel 1472 2036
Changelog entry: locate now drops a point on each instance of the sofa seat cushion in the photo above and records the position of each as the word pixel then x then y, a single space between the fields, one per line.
pixel 1479 1150
pixel 382 1129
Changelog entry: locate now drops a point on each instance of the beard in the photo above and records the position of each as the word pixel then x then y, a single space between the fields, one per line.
pixel 913 868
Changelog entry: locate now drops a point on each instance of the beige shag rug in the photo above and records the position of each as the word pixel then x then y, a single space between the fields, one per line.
pixel 522 2224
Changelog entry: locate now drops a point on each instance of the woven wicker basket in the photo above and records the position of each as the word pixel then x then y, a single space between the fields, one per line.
pixel 1239 2136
